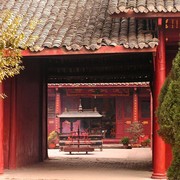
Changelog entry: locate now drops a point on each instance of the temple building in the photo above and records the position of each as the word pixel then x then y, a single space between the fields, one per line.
pixel 112 55
pixel 120 104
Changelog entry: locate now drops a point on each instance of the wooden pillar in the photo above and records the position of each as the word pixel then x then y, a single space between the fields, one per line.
pixel 1 131
pixel 159 171
pixel 57 109
pixel 135 106
pixel 12 153
pixel 151 114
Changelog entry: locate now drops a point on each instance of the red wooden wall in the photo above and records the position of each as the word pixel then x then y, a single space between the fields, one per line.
pixel 25 119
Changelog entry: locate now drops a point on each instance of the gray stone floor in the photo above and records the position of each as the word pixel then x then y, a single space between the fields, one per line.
pixel 109 164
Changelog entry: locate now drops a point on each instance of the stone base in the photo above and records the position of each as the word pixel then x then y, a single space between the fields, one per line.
pixel 159 176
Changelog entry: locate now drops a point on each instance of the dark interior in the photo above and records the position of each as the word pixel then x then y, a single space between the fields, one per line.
pixel 132 67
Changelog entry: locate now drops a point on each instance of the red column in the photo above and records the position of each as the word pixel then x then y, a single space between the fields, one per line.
pixel 1 131
pixel 12 154
pixel 159 171
pixel 57 109
pixel 135 106
pixel 151 111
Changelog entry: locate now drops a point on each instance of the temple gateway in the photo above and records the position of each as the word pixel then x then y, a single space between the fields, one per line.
pixel 111 55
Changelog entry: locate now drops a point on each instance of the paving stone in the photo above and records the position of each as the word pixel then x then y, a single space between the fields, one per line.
pixel 109 164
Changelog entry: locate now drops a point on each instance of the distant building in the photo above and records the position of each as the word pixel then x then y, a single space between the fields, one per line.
pixel 120 104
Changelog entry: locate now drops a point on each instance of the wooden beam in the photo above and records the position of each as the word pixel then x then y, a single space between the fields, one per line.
pixel 147 15
pixel 102 50
pixel 99 80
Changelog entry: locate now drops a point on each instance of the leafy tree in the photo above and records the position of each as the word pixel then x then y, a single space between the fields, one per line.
pixel 169 116
pixel 10 54
pixel 10 38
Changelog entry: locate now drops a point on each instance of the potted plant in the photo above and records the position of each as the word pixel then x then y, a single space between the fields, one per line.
pixel 146 142
pixel 52 139
pixel 136 130
pixel 125 141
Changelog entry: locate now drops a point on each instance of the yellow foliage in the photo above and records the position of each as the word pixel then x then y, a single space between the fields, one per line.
pixel 10 54
pixel 52 136
pixel 10 40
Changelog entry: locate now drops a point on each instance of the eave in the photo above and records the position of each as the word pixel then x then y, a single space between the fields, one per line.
pixel 146 15
pixel 79 114
pixel 102 50
pixel 98 85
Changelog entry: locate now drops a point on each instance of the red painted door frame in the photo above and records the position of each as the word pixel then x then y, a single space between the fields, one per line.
pixel 1 131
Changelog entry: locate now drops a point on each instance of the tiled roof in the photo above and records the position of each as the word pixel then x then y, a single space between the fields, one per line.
pixel 75 24
pixel 144 6
pixel 80 114
pixel 123 84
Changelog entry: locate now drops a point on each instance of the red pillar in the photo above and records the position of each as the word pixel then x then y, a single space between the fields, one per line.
pixel 1 131
pixel 57 109
pixel 12 154
pixel 159 171
pixel 151 111
pixel 135 106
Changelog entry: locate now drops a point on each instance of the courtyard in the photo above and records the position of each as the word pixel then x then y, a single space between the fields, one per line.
pixel 109 164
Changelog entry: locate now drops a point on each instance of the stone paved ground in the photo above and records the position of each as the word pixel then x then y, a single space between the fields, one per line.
pixel 110 164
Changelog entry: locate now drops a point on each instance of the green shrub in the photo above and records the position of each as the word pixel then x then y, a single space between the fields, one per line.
pixel 169 116
pixel 174 171
pixel 125 140
pixel 147 141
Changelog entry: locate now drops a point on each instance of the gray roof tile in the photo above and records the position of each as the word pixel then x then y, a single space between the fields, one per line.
pixel 80 23
pixel 123 84
pixel 143 6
